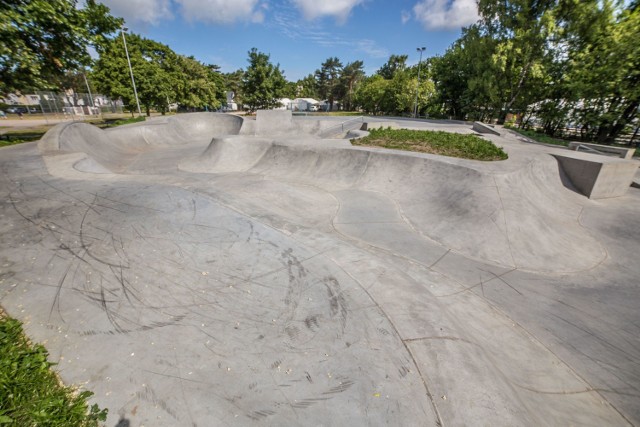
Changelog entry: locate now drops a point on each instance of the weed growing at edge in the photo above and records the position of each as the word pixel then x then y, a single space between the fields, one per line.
pixel 30 392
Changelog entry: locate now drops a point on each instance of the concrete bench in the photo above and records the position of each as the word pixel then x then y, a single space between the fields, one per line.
pixel 598 177
pixel 625 153
pixel 484 128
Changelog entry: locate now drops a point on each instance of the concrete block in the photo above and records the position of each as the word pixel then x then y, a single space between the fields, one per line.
pixel 379 125
pixel 598 177
pixel 274 122
pixel 484 128
pixel 624 153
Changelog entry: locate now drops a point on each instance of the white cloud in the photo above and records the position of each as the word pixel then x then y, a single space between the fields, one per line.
pixel 143 11
pixel 446 14
pixel 222 11
pixel 405 16
pixel 339 9
pixel 313 32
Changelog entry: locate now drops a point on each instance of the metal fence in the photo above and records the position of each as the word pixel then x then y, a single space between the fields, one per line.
pixel 68 104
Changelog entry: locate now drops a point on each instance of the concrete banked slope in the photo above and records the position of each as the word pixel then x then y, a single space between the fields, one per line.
pixel 515 218
pixel 210 270
pixel 522 218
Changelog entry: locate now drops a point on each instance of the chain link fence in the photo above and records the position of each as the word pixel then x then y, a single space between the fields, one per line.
pixel 69 105
pixel 79 105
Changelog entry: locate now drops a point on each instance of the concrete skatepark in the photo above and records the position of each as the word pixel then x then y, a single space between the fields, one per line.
pixel 205 269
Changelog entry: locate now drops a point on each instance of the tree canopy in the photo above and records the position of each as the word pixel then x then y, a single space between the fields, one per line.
pixel 42 40
pixel 162 77
pixel 263 83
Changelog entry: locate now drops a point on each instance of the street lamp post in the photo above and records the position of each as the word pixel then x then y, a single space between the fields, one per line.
pixel 415 108
pixel 133 81
pixel 86 82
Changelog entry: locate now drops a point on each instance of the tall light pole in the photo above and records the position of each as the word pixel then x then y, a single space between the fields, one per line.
pixel 133 81
pixel 86 82
pixel 415 108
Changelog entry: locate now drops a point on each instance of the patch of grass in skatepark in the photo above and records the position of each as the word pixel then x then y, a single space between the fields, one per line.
pixel 433 142
pixel 22 135
pixel 31 394
pixel 121 122
pixel 539 137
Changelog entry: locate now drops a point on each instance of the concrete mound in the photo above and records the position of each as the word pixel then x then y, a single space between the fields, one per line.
pixel 116 149
pixel 203 270
pixel 522 219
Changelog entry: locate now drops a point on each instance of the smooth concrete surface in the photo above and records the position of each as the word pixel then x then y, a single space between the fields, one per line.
pixel 598 177
pixel 191 276
pixel 624 153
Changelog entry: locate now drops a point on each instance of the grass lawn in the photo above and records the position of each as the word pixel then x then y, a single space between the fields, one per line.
pixel 33 133
pixel 31 394
pixel 539 137
pixel 433 142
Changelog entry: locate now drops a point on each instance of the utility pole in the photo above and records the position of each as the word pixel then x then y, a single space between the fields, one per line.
pixel 415 108
pixel 133 81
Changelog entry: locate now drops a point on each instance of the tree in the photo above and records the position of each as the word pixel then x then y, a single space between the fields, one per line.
pixel 155 69
pixel 290 90
pixel 373 94
pixel 328 79
pixel 394 64
pixel 197 85
pixel 602 72
pixel 521 31
pixel 352 75
pixel 263 83
pixel 44 39
pixel 308 87
pixel 233 83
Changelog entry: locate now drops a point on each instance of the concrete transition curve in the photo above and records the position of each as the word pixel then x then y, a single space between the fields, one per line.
pixel 207 269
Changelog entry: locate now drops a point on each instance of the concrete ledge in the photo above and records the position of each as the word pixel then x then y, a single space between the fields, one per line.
pixel 484 128
pixel 379 125
pixel 598 177
pixel 625 153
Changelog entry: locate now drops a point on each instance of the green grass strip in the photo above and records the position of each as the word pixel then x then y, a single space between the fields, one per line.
pixel 31 393
pixel 433 142
pixel 539 137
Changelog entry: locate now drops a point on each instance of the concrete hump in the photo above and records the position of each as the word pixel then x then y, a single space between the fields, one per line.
pixel 523 219
pixel 228 154
pixel 273 122
pixel 116 149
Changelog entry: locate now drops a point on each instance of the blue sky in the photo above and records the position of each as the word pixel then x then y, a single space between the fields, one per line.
pixel 298 34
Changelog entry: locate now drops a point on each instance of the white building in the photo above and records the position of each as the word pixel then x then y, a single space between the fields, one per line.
pixel 284 104
pixel 305 104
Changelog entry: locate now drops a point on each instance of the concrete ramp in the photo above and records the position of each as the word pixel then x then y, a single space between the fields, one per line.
pixel 522 219
pixel 116 149
pixel 190 273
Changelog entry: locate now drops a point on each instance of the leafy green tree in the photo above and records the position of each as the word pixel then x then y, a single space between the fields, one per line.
pixel 197 85
pixel 44 39
pixel 373 94
pixel 602 71
pixel 154 67
pixel 328 80
pixel 290 90
pixel 403 87
pixel 263 83
pixel 521 32
pixel 394 64
pixel 233 83
pixel 352 75
pixel 308 87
